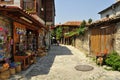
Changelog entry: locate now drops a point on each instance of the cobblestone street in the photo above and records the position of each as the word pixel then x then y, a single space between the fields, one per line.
pixel 59 64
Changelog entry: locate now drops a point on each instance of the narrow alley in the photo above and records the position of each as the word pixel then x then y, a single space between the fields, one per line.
pixel 60 63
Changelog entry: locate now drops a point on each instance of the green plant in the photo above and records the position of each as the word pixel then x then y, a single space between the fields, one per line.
pixel 0 40
pixel 71 33
pixel 113 60
pixel 58 33
pixel 52 33
pixel 81 29
pixel 90 21
pixel 116 65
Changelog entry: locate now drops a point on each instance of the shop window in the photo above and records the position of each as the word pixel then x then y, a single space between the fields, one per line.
pixel 27 41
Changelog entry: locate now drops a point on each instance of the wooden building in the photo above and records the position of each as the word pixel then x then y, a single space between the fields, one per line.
pixel 25 28
pixel 24 33
pixel 103 35
pixel 68 27
pixel 48 8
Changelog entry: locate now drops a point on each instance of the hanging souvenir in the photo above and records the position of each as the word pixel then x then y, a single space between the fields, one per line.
pixel 11 41
pixel 6 31
pixel 5 38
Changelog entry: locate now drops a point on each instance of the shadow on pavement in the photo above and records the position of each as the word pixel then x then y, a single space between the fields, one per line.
pixel 42 67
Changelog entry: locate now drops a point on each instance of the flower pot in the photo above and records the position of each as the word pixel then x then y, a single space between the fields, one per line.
pixel 18 68
pixel 5 75
pixel 12 71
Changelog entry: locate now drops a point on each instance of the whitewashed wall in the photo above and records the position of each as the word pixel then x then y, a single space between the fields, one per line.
pixel 111 12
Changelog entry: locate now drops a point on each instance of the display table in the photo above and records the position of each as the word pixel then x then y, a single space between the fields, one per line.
pixel 26 60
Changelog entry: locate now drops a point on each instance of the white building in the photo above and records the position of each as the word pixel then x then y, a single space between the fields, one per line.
pixel 111 11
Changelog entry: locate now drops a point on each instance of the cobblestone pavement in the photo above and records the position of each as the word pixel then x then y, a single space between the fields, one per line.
pixel 59 64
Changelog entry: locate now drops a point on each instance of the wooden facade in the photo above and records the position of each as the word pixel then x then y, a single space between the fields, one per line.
pixel 23 38
pixel 28 29
pixel 70 26
pixel 102 38
pixel 25 31
pixel 103 35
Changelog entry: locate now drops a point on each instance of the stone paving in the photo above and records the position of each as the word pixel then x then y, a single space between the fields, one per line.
pixel 59 64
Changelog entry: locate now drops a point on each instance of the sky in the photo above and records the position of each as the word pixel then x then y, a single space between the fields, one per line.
pixel 79 10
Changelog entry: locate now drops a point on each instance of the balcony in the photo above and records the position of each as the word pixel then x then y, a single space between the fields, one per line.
pixel 30 6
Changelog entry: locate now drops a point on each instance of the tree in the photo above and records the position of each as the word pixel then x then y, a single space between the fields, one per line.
pixel 81 29
pixel 83 24
pixel 58 33
pixel 90 21
pixel 53 33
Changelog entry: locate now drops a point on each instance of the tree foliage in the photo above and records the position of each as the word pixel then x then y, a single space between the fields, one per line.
pixel 53 33
pixel 81 29
pixel 59 33
pixel 90 21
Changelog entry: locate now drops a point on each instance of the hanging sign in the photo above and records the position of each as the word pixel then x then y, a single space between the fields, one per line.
pixel 1 29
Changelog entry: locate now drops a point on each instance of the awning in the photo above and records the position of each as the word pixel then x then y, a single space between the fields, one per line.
pixel 19 15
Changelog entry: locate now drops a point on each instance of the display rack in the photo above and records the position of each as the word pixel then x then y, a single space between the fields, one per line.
pixel 25 49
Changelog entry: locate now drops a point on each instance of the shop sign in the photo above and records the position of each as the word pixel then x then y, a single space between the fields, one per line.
pixel 1 29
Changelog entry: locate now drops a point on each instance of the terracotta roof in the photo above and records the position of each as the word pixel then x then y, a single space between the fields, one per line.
pixel 69 23
pixel 104 21
pixel 72 23
pixel 110 7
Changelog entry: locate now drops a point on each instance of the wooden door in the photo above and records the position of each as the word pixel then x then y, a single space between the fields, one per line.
pixel 101 39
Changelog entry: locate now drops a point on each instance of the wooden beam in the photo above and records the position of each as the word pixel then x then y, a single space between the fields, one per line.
pixel 17 19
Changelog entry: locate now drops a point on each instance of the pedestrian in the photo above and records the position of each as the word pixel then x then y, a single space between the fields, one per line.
pixel 54 40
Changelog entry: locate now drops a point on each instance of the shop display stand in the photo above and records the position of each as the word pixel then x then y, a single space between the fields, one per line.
pixel 25 60
pixel 28 59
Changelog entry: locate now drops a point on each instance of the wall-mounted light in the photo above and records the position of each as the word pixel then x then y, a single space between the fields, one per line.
pixel 42 9
pixel 30 33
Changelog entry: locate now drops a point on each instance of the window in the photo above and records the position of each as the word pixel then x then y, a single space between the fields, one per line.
pixel 6 1
pixel 107 16
pixel 29 5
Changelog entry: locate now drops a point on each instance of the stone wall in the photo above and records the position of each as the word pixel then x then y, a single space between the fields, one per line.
pixel 117 39
pixel 82 42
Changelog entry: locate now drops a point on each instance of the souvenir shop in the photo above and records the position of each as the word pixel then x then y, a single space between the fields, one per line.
pixel 18 41
pixel 18 45
pixel 25 44
pixel 6 45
